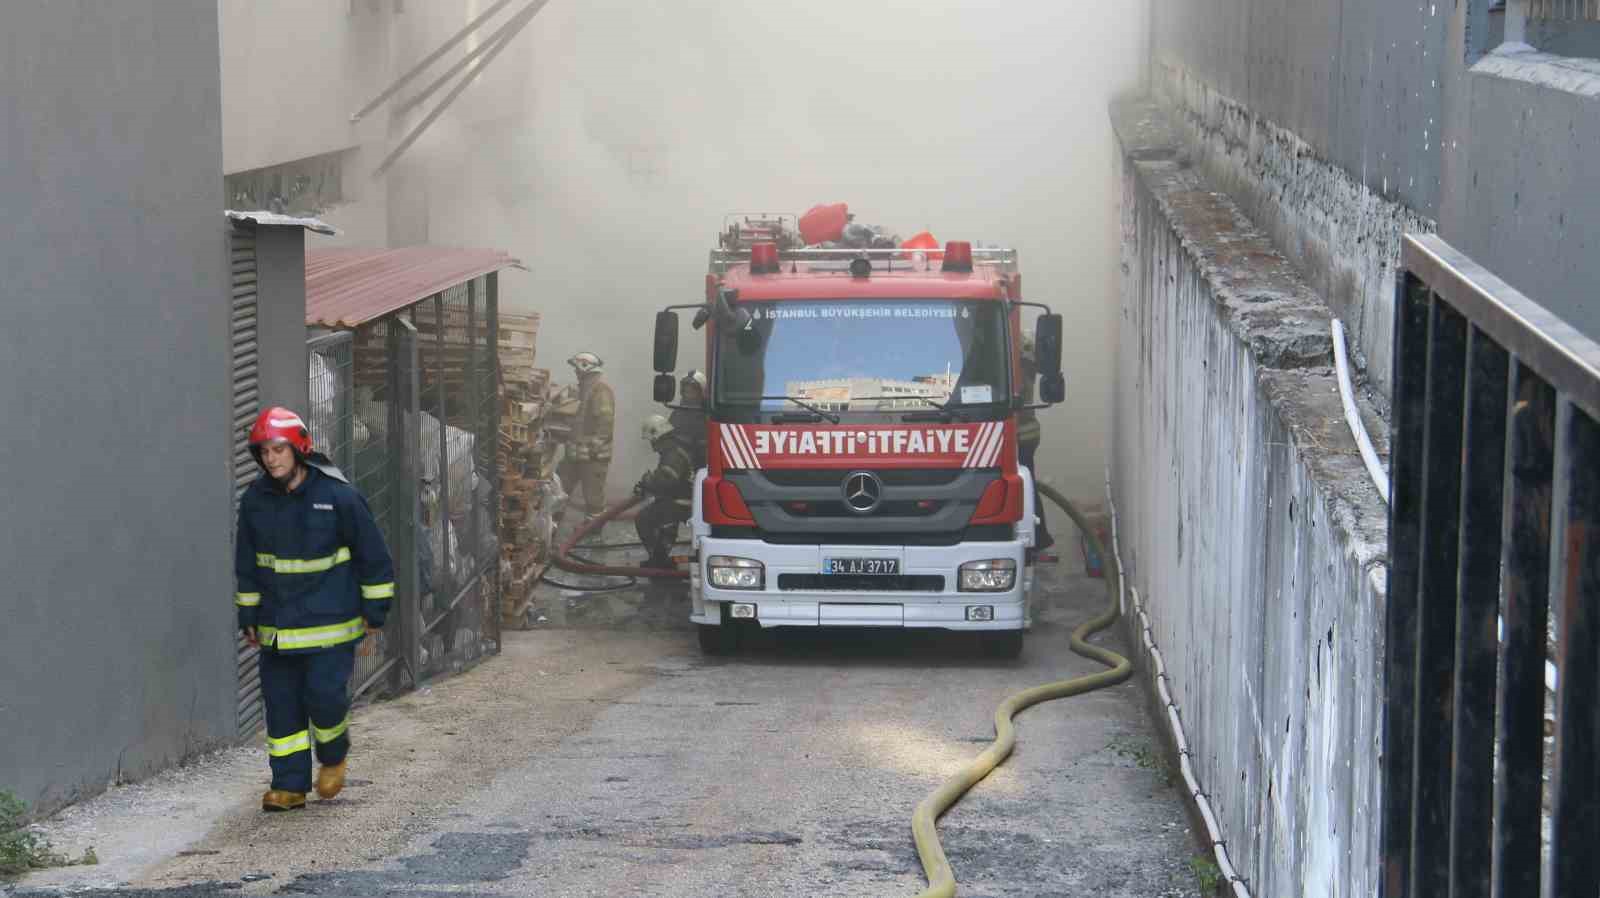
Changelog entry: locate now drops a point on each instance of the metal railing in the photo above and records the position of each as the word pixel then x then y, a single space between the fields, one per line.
pixel 1564 10
pixel 1000 258
pixel 1494 553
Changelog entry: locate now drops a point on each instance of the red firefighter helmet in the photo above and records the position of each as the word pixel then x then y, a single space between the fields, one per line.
pixel 278 423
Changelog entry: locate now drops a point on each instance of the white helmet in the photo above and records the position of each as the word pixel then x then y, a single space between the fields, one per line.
pixel 694 377
pixel 585 362
pixel 655 427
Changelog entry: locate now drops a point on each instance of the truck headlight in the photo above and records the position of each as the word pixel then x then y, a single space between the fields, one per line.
pixel 731 572
pixel 988 575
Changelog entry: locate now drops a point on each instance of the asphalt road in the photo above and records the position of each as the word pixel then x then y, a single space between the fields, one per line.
pixel 601 755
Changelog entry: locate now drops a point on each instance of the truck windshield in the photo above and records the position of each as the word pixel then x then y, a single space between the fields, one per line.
pixel 865 356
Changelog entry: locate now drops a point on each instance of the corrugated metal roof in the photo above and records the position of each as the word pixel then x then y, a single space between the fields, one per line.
pixel 349 287
pixel 276 219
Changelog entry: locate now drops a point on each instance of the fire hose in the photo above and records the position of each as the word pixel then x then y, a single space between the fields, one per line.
pixel 924 830
pixel 941 878
pixel 563 558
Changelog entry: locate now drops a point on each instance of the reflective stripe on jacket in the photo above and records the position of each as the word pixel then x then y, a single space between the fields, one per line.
pixel 311 565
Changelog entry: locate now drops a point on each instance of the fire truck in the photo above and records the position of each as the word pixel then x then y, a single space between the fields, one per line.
pixel 861 415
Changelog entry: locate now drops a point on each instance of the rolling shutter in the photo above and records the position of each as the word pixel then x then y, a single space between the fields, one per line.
pixel 246 404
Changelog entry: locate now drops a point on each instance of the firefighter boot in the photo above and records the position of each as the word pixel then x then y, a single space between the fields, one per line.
pixel 330 779
pixel 279 800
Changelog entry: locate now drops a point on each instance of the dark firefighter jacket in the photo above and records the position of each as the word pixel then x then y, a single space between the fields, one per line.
pixel 1028 420
pixel 673 477
pixel 689 425
pixel 311 565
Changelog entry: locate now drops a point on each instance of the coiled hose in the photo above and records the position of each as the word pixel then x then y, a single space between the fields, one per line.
pixel 941 879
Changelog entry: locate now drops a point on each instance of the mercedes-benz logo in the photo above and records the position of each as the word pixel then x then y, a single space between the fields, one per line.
pixel 862 491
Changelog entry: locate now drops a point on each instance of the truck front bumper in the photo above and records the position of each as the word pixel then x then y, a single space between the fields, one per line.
pixel 777 605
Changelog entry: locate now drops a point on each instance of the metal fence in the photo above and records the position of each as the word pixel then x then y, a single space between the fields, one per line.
pixel 1494 578
pixel 406 406
pixel 1564 10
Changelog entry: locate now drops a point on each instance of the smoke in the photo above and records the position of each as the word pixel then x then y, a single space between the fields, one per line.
pixel 605 146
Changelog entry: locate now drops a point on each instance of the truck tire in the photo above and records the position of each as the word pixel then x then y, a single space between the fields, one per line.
pixel 1001 643
pixel 718 639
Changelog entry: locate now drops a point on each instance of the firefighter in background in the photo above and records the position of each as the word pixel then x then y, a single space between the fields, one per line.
pixel 588 456
pixel 1028 435
pixel 313 577
pixel 670 488
pixel 688 420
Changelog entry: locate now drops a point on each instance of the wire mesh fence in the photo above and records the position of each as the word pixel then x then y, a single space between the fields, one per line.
pixel 407 404
pixel 456 336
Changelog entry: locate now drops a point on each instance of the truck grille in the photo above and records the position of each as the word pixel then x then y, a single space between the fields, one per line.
pixel 861 583
pixel 890 477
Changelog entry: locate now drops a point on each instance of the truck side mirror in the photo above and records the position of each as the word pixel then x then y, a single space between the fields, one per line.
pixel 666 342
pixel 1053 388
pixel 665 386
pixel 1047 346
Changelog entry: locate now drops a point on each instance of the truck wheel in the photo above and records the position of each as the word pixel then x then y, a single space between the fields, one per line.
pixel 1001 643
pixel 718 640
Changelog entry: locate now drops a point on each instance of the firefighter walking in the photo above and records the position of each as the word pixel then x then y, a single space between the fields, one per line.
pixel 588 457
pixel 313 576
pixel 669 486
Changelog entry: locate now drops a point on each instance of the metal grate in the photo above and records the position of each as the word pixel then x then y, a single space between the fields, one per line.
pixel 889 476
pixel 1564 10
pixel 1495 514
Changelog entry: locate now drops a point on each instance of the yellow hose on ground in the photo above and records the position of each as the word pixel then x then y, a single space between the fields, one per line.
pixel 941 879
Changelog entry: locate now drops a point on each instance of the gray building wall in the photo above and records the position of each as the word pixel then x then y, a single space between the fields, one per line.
pixel 114 395
pixel 1338 126
pixel 281 317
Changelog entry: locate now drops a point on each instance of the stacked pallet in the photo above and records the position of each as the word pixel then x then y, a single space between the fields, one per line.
pixel 525 471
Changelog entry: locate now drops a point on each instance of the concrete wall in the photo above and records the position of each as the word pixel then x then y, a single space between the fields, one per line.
pixel 114 394
pixel 1521 175
pixel 1338 126
pixel 1248 523
pixel 281 317
pixel 293 71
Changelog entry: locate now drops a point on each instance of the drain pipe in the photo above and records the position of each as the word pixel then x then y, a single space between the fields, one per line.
pixel 1158 664
pixel 1347 395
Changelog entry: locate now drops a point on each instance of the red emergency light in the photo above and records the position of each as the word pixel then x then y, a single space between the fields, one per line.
pixel 764 258
pixel 957 256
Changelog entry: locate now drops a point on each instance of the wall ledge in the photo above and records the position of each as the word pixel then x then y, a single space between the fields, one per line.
pixel 1262 299
pixel 1524 64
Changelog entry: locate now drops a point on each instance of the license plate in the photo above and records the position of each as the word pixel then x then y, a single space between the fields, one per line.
pixel 881 566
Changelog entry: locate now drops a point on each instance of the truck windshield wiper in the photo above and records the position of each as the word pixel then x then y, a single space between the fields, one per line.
pixel 829 417
pixel 946 412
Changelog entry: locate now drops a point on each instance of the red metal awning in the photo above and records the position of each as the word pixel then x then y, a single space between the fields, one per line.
pixel 349 287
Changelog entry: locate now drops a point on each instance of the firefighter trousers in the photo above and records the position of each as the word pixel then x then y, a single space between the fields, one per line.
pixel 657 524
pixel 307 698
pixel 591 477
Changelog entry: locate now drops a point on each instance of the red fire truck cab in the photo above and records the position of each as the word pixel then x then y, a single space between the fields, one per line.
pixel 862 465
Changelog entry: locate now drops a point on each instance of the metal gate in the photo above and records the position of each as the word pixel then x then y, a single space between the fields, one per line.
pixel 329 367
pixel 1494 591
pixel 246 404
